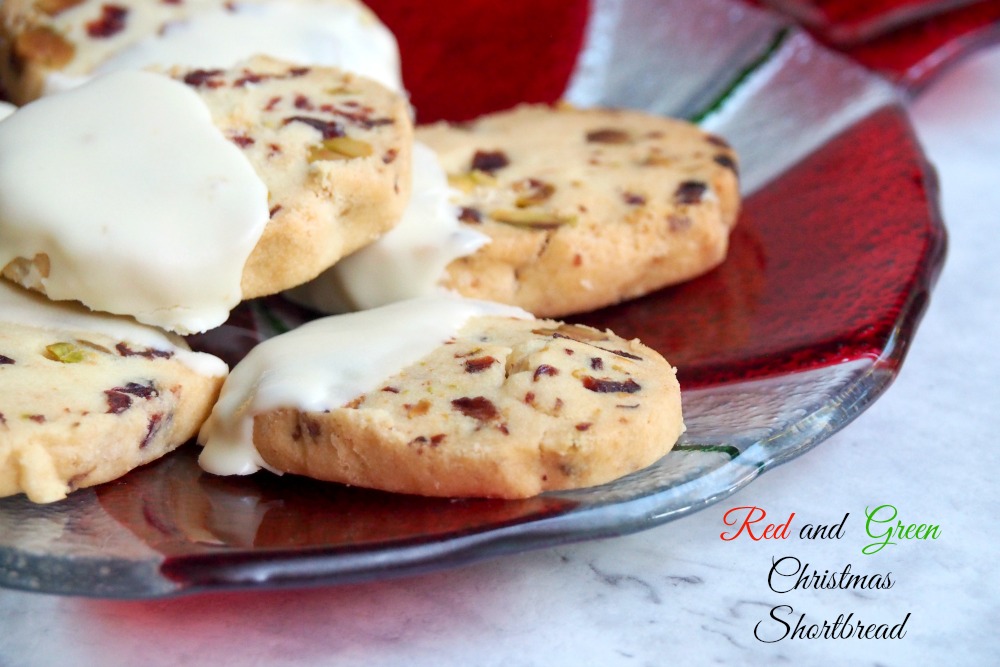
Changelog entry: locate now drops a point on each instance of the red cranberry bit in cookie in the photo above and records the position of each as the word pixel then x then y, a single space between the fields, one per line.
pixel 479 408
pixel 120 398
pixel 489 161
pixel 242 140
pixel 330 129
pixel 151 428
pixel 248 78
pixel 690 192
pixel 470 215
pixel 111 22
pixel 203 77
pixel 630 386
pixel 633 199
pixel 544 369
pixel 149 353
pixel 479 364
pixel 5 360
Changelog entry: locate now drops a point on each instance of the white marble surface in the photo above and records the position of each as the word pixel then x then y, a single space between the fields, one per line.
pixel 678 594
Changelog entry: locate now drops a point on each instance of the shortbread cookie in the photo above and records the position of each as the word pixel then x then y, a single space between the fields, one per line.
pixel 585 208
pixel 84 398
pixel 323 156
pixel 50 45
pixel 495 406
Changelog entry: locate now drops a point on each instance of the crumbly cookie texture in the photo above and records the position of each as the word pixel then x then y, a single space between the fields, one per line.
pixel 508 409
pixel 333 149
pixel 585 207
pixel 79 408
pixel 72 38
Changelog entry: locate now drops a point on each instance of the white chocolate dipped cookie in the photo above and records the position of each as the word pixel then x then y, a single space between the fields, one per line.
pixel 585 207
pixel 85 398
pixel 264 175
pixel 446 397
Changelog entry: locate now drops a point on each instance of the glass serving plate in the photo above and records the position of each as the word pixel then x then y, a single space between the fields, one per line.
pixel 802 328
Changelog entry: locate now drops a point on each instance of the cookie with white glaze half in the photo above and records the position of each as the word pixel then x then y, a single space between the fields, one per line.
pixel 85 398
pixel 585 207
pixel 315 163
pixel 505 408
pixel 51 45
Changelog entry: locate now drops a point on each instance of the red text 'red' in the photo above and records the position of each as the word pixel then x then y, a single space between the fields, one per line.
pixel 747 517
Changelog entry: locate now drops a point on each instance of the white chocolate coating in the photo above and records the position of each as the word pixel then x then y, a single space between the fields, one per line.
pixel 142 206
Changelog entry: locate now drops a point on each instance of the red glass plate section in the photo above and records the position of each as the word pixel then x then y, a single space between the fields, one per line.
pixel 908 41
pixel 810 280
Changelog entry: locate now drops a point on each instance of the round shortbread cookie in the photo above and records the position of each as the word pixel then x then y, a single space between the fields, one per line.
pixel 49 45
pixel 509 408
pixel 585 207
pixel 331 148
pixel 85 398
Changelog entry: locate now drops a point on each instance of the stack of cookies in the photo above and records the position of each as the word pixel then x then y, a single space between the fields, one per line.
pixel 171 160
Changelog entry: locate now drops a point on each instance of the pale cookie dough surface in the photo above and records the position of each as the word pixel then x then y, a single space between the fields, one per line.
pixel 48 45
pixel 509 408
pixel 80 406
pixel 585 208
pixel 334 150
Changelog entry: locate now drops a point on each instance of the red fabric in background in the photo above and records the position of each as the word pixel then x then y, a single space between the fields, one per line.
pixel 462 59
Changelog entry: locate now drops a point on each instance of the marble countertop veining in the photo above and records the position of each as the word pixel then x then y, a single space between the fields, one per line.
pixel 678 594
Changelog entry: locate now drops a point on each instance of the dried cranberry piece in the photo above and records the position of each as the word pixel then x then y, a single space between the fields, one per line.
pixel 120 398
pixel 149 353
pixel 633 199
pixel 489 161
pixel 203 77
pixel 330 129
pixel 110 22
pixel 5 360
pixel 479 364
pixel 630 386
pixel 690 192
pixel 242 140
pixel 544 369
pixel 478 407
pixel 469 215
pixel 151 428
